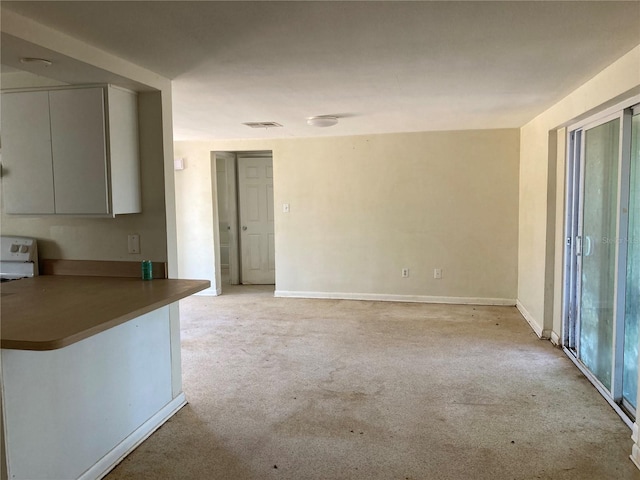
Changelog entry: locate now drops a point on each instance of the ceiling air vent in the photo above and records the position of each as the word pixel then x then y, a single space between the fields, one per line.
pixel 262 124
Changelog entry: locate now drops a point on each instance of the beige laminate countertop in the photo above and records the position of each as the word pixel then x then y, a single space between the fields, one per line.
pixel 53 311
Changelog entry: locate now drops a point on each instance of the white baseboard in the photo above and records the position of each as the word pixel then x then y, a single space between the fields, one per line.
pixel 129 444
pixel 555 339
pixel 635 456
pixel 635 450
pixel 381 297
pixel 531 321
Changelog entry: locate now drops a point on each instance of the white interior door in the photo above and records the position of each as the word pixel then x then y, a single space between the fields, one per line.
pixel 255 195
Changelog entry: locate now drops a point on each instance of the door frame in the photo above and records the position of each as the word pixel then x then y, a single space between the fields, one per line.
pixel 231 180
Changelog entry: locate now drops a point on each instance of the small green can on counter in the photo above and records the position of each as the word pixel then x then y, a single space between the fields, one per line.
pixel 147 270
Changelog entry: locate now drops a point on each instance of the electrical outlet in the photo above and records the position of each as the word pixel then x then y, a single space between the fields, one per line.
pixel 405 272
pixel 134 243
pixel 437 273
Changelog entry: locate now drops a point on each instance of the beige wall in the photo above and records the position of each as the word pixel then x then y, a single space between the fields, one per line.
pixel 363 207
pixel 542 194
pixel 195 209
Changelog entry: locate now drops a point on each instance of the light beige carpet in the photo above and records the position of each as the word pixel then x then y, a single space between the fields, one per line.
pixel 324 389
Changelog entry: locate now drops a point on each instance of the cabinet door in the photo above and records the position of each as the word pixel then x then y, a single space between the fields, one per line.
pixel 122 108
pixel 79 151
pixel 27 183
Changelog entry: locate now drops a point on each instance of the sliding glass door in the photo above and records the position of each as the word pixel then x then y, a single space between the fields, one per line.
pixel 598 255
pixel 602 307
pixel 632 297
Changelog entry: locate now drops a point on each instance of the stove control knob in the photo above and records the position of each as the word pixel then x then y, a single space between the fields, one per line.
pixel 14 248
pixel 24 248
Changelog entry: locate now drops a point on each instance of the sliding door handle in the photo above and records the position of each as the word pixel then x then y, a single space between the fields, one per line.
pixel 587 248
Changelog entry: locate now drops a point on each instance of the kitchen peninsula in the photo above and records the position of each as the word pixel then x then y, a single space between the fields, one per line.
pixel 88 366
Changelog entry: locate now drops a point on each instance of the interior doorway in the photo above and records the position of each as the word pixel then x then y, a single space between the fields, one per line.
pixel 244 201
pixel 602 305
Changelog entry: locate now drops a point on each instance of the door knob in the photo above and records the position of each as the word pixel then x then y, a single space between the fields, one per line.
pixel 244 228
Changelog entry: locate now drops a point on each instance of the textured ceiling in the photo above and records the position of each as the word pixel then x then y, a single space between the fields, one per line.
pixel 380 66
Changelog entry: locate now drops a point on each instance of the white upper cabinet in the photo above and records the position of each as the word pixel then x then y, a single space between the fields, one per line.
pixel 70 152
pixel 78 143
pixel 27 170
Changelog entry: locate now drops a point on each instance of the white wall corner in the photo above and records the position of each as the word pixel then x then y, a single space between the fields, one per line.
pixel 531 321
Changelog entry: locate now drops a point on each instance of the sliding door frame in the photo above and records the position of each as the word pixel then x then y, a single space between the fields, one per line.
pixel 572 275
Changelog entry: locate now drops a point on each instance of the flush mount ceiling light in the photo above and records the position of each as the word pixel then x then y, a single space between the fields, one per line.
pixel 37 61
pixel 322 121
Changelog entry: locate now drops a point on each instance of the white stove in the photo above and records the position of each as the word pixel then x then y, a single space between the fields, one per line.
pixel 18 258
